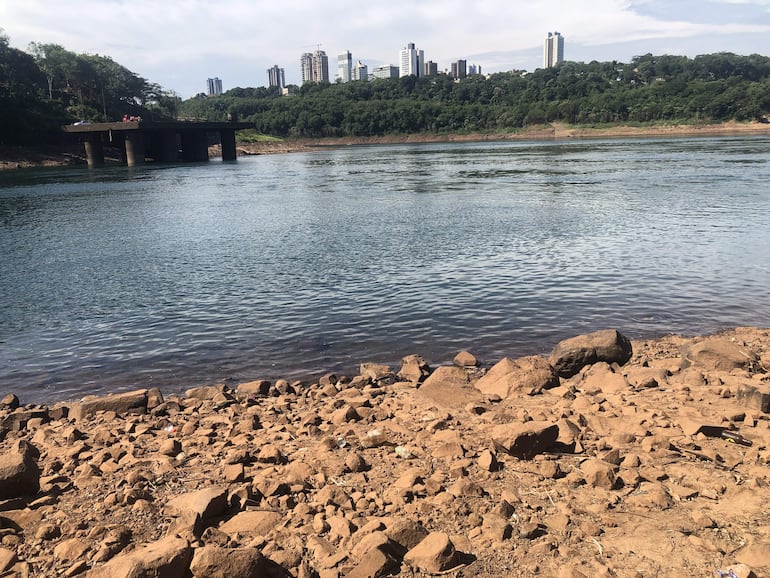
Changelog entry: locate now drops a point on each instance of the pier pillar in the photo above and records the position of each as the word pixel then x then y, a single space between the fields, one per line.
pixel 168 149
pixel 195 146
pixel 227 138
pixel 94 150
pixel 134 148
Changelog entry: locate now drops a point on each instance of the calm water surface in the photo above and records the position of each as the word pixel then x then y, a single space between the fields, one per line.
pixel 295 265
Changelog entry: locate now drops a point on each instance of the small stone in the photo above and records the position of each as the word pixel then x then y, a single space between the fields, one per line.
pixel 465 359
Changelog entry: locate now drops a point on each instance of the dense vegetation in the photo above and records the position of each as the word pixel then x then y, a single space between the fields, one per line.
pixel 708 88
pixel 48 86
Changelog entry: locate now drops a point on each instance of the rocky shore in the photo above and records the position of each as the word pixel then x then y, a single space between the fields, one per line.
pixel 610 458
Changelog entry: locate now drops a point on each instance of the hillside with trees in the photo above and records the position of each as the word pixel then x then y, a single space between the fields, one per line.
pixel 650 89
pixel 49 86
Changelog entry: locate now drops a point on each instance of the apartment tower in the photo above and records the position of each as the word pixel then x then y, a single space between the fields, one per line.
pixel 553 50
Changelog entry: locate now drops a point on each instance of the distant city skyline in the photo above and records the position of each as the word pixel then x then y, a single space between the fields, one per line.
pixel 180 45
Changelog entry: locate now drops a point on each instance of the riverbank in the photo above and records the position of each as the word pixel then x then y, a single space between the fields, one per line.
pixel 636 459
pixel 29 157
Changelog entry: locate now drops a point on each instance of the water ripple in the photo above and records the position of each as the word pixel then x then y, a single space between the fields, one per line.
pixel 291 265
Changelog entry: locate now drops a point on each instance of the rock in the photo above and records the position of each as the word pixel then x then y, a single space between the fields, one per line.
pixel 465 359
pixel 527 375
pixel 487 461
pixel 406 533
pixel 7 559
pixel 170 447
pixel 197 509
pixel 601 377
pixel 167 558
pixel 754 398
pixel 250 389
pixel 255 523
pixel 19 471
pixel 526 440
pixel 436 553
pixel 414 369
pixel 718 354
pixel 218 562
pixel 204 392
pixel 599 474
pixel 377 372
pixel 10 401
pixel 375 563
pixel 755 554
pixel 571 355
pixel 71 549
pixel 448 386
pixel 120 403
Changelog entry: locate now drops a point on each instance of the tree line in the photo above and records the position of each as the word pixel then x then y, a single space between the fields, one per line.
pixel 708 88
pixel 48 86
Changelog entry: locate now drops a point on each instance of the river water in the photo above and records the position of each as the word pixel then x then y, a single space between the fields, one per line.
pixel 291 266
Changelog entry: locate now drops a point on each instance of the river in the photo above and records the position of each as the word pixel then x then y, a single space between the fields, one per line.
pixel 294 265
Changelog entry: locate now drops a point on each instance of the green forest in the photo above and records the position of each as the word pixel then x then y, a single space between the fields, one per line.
pixel 48 86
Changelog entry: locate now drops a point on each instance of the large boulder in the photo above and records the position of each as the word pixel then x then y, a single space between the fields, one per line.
pixel 525 440
pixel 718 354
pixel 528 375
pixel 435 554
pixel 120 403
pixel 19 472
pixel 571 355
pixel 414 369
pixel 169 557
pixel 196 510
pixel 449 386
pixel 218 562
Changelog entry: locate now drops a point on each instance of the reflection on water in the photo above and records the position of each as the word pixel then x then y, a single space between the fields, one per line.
pixel 294 265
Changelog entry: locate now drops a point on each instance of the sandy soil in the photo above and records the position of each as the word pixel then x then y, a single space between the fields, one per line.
pixel 660 468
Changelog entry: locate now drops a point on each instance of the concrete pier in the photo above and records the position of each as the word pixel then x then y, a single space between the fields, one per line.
pixel 157 141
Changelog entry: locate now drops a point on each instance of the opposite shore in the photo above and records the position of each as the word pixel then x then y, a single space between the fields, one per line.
pixel 53 156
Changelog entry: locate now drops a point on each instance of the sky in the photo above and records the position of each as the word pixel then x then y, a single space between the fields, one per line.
pixel 179 44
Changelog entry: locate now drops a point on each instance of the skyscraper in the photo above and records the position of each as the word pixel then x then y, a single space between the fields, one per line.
pixel 459 69
pixel 276 77
pixel 360 71
pixel 214 86
pixel 315 67
pixel 345 66
pixel 411 61
pixel 553 50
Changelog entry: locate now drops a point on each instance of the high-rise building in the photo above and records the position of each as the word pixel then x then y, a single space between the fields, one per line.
pixel 345 67
pixel 474 69
pixel 411 61
pixel 315 67
pixel 459 69
pixel 430 68
pixel 276 77
pixel 553 50
pixel 387 71
pixel 360 71
pixel 214 86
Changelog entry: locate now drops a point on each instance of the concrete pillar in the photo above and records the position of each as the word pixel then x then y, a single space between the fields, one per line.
pixel 94 150
pixel 134 148
pixel 195 146
pixel 168 149
pixel 227 138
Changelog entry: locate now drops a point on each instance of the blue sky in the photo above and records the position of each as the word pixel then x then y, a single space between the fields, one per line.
pixel 180 44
